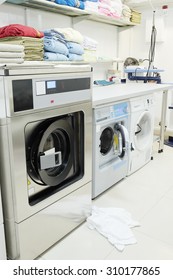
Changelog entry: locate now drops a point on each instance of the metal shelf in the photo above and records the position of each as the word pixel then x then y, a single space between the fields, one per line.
pixel 76 14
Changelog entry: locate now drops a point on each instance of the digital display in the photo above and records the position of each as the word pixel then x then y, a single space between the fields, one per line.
pixel 67 85
pixel 51 84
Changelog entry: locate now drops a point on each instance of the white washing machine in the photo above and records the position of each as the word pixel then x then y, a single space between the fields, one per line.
pixel 46 154
pixel 2 236
pixel 141 131
pixel 110 145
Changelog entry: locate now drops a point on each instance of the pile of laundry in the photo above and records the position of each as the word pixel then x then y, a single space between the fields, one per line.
pixel 111 8
pixel 29 38
pixel 90 49
pixel 114 224
pixel 72 3
pixel 126 13
pixel 63 44
pixel 11 53
pixel 136 17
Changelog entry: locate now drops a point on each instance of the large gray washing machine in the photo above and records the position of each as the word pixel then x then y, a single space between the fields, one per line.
pixel 46 154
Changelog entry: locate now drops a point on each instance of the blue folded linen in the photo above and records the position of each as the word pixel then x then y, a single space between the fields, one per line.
pixel 49 33
pixel 75 48
pixel 71 3
pixel 55 56
pixel 76 3
pixel 54 45
pixel 73 56
pixel 60 2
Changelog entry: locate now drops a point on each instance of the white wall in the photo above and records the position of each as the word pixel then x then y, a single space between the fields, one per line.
pixel 105 34
pixel 132 42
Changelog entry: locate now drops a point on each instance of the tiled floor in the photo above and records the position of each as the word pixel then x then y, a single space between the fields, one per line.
pixel 148 196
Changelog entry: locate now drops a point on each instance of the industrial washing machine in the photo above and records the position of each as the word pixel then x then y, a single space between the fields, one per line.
pixel 141 131
pixel 2 236
pixel 46 151
pixel 110 145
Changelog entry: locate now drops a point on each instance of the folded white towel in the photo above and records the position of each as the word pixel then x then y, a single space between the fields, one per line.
pixel 12 54
pixel 11 48
pixel 114 224
pixel 11 60
pixel 70 34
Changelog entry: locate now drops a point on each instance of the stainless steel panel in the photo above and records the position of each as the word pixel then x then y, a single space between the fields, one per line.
pixel 35 68
pixel 46 102
pixel 40 231
pixel 14 177
pixel 2 243
pixel 30 230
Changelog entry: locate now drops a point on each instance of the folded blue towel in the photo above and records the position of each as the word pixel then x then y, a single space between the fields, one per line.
pixel 76 3
pixel 73 56
pixel 55 56
pixel 60 2
pixel 54 45
pixel 49 33
pixel 75 48
pixel 71 3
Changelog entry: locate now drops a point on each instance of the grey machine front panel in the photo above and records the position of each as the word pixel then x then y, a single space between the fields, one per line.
pixel 25 94
pixel 25 223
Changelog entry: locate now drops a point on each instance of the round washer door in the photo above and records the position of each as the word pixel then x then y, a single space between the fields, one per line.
pixel 143 131
pixel 52 144
pixel 106 140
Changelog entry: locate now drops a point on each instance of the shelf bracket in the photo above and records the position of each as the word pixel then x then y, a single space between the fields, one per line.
pixel 78 19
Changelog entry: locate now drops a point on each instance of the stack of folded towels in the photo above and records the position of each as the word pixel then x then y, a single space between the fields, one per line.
pixel 72 3
pixel 111 8
pixel 11 53
pixel 29 38
pixel 136 16
pixel 63 44
pixel 92 6
pixel 90 49
pixel 126 13
pixel 55 46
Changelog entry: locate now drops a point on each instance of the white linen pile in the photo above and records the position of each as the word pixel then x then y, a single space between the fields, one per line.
pixel 11 53
pixel 126 13
pixel 111 8
pixel 115 224
pixel 90 49
pixel 33 47
pixel 74 41
pixel 92 6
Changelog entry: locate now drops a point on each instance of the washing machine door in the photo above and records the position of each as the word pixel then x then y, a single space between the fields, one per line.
pixel 55 154
pixel 120 138
pixel 143 131
pixel 113 141
pixel 106 140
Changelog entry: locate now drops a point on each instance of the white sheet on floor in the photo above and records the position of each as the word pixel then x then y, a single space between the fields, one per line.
pixel 115 224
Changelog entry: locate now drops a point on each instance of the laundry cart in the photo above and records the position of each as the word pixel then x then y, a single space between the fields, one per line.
pixel 46 150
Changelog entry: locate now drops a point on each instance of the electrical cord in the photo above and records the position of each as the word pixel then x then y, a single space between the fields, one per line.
pixel 152 44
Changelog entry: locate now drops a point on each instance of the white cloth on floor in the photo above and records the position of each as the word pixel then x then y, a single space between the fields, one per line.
pixel 114 224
